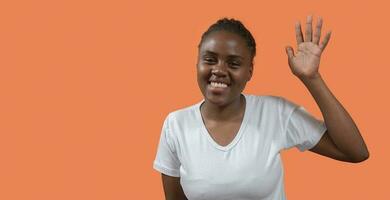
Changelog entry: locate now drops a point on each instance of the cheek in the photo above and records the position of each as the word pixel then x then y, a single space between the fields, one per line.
pixel 246 75
pixel 241 77
pixel 240 80
pixel 202 71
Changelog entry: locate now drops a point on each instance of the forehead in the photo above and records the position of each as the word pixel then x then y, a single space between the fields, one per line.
pixel 224 43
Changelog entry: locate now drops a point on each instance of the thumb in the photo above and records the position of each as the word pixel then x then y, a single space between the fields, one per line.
pixel 290 52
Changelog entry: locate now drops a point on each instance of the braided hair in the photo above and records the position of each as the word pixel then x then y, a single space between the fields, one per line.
pixel 233 26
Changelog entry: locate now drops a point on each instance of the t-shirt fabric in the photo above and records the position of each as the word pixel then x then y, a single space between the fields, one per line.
pixel 250 166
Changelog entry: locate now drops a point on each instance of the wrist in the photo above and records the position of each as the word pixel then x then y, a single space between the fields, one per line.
pixel 310 79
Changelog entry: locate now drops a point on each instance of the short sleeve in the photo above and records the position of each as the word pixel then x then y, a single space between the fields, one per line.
pixel 166 160
pixel 301 128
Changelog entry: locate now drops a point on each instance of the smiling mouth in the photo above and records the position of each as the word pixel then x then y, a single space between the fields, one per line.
pixel 217 84
pixel 217 87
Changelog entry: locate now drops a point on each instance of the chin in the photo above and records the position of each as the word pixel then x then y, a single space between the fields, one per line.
pixel 219 100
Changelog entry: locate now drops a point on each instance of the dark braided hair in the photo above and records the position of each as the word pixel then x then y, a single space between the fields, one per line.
pixel 233 26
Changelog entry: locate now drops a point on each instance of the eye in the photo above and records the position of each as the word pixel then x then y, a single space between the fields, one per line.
pixel 235 64
pixel 209 60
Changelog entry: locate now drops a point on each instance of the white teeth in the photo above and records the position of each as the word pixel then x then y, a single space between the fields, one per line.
pixel 216 84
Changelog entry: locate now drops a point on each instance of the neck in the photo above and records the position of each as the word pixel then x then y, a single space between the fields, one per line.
pixel 223 113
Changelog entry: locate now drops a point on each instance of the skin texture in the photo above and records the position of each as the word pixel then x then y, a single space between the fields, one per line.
pixel 222 111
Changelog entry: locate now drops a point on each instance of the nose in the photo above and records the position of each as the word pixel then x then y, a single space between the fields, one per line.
pixel 219 69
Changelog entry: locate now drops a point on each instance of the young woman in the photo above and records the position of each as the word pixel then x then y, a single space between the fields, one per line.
pixel 228 145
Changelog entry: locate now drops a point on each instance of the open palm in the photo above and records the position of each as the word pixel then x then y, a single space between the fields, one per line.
pixel 305 62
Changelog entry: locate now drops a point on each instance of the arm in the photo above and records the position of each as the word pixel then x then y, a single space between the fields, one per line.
pixel 341 128
pixel 172 188
pixel 342 141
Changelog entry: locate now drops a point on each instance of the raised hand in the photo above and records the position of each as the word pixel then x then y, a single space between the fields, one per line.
pixel 305 62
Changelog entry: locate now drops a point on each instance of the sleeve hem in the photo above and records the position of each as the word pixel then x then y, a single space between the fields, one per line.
pixel 170 172
pixel 316 139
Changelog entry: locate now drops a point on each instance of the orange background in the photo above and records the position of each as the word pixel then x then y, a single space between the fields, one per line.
pixel 85 86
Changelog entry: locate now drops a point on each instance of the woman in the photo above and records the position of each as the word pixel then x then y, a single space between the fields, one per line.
pixel 228 145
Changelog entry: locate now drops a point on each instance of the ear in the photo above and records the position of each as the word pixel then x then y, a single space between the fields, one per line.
pixel 250 72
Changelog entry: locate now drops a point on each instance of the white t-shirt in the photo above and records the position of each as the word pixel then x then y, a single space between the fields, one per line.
pixel 248 168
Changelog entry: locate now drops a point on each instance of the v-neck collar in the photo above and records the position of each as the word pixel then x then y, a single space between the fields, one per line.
pixel 238 134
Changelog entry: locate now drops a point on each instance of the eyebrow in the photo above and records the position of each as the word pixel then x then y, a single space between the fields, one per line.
pixel 229 56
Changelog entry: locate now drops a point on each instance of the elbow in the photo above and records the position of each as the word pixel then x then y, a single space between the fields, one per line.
pixel 361 158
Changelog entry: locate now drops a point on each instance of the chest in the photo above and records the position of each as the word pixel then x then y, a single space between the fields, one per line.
pixel 251 169
pixel 223 133
pixel 247 174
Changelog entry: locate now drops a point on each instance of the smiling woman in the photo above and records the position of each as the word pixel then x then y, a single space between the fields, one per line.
pixel 224 67
pixel 227 146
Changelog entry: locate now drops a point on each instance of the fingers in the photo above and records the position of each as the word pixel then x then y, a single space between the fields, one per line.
pixel 298 33
pixel 317 34
pixel 290 52
pixel 325 40
pixel 308 35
